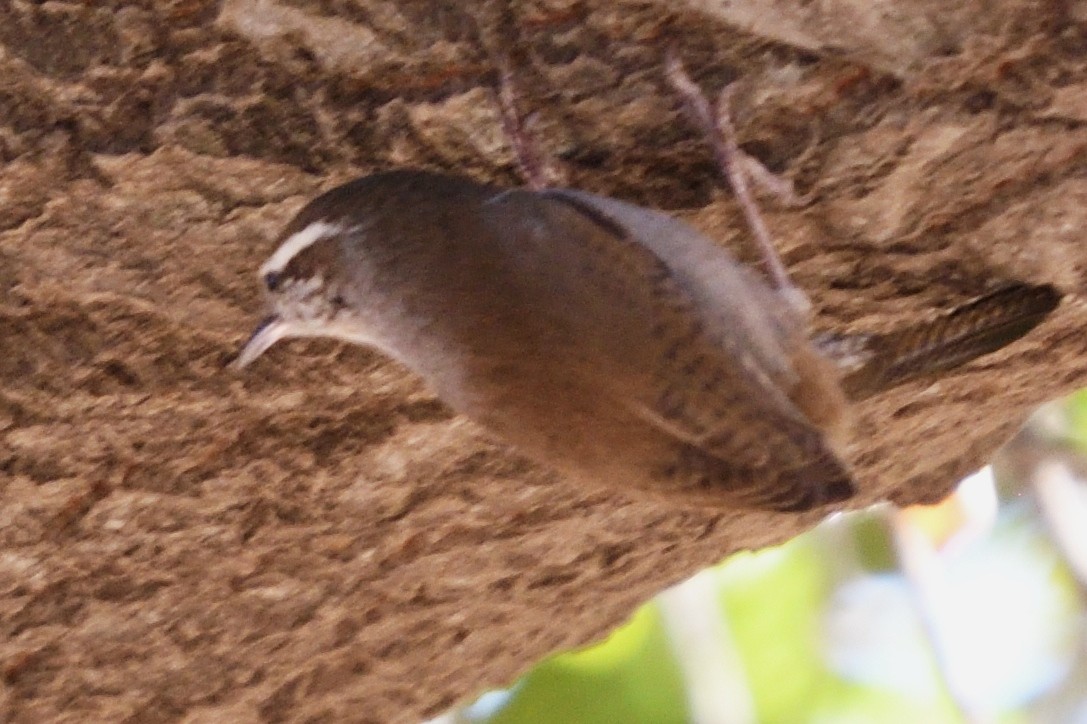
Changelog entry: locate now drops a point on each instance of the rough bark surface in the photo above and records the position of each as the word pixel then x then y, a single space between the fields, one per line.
pixel 320 539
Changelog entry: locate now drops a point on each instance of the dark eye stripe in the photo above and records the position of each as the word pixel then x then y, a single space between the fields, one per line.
pixel 271 280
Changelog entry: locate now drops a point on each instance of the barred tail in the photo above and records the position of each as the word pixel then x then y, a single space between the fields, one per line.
pixel 977 328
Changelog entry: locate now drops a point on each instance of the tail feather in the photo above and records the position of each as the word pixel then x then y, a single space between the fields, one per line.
pixel 977 328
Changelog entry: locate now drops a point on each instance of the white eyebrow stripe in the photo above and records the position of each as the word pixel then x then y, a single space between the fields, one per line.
pixel 297 242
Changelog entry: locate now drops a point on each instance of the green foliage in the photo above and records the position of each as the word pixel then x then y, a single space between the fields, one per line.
pixel 1075 411
pixel 630 677
pixel 773 599
pixel 776 600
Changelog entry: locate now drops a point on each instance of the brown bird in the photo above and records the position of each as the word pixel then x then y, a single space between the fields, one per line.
pixel 611 342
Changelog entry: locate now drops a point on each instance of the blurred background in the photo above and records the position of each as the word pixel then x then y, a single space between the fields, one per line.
pixel 967 611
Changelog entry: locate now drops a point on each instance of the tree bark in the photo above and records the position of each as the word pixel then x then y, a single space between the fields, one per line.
pixel 321 536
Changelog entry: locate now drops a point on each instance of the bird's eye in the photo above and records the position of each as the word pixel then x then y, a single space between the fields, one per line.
pixel 271 280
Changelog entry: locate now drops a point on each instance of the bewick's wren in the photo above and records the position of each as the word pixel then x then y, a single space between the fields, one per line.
pixel 612 342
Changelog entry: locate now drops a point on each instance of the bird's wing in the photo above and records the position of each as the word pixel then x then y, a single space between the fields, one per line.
pixel 734 429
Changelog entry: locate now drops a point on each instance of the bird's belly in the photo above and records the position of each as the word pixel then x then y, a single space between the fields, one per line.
pixel 582 434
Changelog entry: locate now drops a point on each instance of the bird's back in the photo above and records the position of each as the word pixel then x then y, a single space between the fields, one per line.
pixel 689 356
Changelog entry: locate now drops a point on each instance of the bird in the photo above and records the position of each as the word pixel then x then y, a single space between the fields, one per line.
pixel 615 344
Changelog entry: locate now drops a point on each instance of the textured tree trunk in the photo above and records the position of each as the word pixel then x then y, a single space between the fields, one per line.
pixel 321 536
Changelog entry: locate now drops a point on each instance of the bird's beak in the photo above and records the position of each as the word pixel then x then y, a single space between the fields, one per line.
pixel 267 333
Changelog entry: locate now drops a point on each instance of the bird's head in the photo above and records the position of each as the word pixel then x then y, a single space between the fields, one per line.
pixel 305 287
